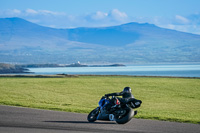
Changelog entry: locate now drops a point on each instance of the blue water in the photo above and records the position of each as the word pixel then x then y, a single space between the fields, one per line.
pixel 180 70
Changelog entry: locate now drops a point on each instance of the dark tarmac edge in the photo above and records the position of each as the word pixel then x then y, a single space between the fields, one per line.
pixel 66 128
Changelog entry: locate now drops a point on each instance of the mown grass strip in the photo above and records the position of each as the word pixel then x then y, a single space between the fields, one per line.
pixel 170 99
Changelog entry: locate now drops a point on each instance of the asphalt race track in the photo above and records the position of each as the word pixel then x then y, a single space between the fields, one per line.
pixel 25 120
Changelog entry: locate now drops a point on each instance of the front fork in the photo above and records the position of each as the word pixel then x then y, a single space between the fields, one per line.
pixel 102 114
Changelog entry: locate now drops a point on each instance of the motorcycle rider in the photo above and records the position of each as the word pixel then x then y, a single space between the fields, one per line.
pixel 126 94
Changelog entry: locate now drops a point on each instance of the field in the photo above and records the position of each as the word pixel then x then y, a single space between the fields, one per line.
pixel 171 99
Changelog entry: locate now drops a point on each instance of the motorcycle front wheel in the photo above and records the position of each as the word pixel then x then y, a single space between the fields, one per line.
pixel 93 115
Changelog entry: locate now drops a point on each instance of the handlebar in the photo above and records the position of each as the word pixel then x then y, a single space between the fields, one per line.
pixel 108 97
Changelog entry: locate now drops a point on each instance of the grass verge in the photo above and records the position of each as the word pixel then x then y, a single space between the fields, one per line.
pixel 170 99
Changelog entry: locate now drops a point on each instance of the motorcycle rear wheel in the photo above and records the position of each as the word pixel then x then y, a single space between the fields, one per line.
pixel 93 115
pixel 127 117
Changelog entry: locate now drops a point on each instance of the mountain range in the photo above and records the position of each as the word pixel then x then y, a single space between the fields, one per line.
pixel 24 42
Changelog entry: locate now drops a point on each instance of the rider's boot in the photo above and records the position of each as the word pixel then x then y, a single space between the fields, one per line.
pixel 135 112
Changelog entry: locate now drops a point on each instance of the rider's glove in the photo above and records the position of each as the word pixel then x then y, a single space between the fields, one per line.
pixel 103 97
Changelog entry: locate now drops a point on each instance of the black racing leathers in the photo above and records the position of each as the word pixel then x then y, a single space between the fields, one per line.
pixel 123 94
pixel 126 97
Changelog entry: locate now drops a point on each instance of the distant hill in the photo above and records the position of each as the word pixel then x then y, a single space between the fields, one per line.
pixel 25 42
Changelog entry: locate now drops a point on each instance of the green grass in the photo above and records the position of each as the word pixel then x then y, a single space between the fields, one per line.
pixel 171 99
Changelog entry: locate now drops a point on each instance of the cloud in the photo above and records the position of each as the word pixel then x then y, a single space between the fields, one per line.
pixel 181 19
pixel 99 15
pixel 118 16
pixel 15 11
pixel 99 18
pixel 10 13
pixel 31 11
pixel 113 15
pixel 63 20
pixel 28 13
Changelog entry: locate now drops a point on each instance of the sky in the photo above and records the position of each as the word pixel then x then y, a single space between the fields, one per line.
pixel 181 15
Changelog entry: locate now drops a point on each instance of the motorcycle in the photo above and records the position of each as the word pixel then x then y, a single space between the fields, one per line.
pixel 112 109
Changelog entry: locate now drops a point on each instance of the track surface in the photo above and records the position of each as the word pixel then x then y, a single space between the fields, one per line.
pixel 23 120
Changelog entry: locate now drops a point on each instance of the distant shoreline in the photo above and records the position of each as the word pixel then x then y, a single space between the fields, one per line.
pixel 67 65
pixel 134 70
pixel 11 69
pixel 79 75
pixel 23 69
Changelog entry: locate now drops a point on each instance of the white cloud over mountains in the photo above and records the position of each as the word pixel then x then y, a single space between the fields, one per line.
pixel 64 20
pixel 53 19
pixel 182 20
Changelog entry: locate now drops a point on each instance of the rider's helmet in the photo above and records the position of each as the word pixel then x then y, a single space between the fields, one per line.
pixel 127 89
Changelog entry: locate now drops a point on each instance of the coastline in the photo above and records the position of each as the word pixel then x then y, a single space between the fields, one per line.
pixel 79 75
pixel 23 69
pixel 66 65
pixel 162 70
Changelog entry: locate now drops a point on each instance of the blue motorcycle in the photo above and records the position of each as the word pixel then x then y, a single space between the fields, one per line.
pixel 114 109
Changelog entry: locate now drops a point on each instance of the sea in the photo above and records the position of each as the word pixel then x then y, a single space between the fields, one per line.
pixel 171 70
